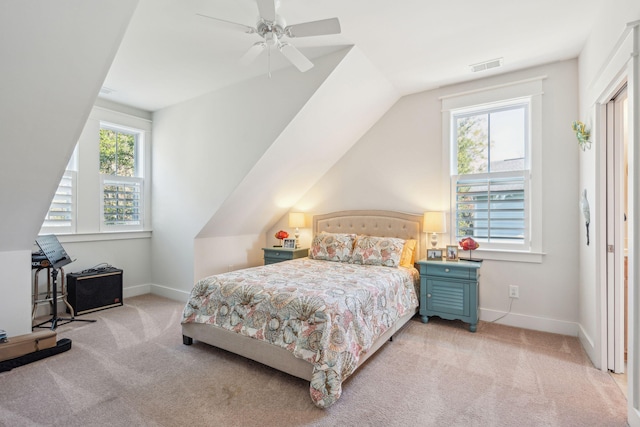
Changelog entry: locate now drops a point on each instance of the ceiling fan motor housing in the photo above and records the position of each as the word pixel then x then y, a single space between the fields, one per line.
pixel 277 28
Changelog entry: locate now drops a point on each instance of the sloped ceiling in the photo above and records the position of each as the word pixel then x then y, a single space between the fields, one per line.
pixel 55 56
pixel 203 150
pixel 343 108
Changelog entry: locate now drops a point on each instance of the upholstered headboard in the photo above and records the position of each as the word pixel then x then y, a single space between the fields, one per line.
pixel 373 223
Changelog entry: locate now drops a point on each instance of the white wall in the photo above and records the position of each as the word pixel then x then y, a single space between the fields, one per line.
pixel 133 255
pixel 203 149
pixel 55 56
pixel 15 305
pixel 594 59
pixel 397 165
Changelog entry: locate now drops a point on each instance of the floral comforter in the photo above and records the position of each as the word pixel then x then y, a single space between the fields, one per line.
pixel 328 313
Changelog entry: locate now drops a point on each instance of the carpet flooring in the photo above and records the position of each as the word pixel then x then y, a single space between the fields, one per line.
pixel 130 368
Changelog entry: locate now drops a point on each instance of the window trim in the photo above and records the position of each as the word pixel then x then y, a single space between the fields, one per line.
pixel 529 88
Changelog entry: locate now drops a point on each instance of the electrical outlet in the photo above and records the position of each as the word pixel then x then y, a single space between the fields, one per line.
pixel 514 291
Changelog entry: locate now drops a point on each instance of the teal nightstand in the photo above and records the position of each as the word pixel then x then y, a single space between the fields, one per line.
pixel 449 289
pixel 273 255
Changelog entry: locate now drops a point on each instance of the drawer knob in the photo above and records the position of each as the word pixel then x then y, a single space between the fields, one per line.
pixel 428 295
pixel 446 270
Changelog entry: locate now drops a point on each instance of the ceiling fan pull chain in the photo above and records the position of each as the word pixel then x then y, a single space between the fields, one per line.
pixel 269 60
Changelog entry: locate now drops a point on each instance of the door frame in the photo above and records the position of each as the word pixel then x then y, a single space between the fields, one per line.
pixel 622 64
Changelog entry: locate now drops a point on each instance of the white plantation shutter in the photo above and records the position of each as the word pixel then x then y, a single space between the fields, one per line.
pixel 493 208
pixel 61 216
pixel 122 202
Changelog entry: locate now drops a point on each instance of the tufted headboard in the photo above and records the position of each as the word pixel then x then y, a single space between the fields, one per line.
pixel 373 223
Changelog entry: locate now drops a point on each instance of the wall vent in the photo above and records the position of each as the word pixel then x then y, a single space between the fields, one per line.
pixel 487 65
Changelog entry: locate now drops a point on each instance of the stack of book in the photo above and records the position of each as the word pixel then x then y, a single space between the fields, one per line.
pixel 3 336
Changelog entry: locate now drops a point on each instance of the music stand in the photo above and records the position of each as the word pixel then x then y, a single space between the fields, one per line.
pixel 57 257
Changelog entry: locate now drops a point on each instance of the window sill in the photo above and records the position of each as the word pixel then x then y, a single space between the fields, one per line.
pixel 96 237
pixel 504 255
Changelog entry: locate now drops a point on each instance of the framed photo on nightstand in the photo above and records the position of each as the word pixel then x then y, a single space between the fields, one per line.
pixel 452 253
pixel 434 254
pixel 289 243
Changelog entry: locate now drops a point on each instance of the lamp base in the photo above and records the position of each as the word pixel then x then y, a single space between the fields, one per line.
pixel 297 234
pixel 434 240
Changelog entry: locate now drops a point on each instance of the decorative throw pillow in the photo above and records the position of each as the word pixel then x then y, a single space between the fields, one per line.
pixel 332 247
pixel 408 257
pixel 370 250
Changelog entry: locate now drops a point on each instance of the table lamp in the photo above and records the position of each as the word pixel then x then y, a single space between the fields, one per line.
pixel 296 219
pixel 434 223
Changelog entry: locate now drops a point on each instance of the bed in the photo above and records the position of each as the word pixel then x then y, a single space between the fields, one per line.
pixel 317 318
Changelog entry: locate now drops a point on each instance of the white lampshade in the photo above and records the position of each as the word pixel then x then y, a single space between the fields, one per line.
pixel 435 222
pixel 296 219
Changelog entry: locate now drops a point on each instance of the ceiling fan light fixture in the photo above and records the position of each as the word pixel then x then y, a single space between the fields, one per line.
pixel 271 39
pixel 486 65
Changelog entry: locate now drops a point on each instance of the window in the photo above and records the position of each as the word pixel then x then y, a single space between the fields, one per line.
pixel 120 178
pixel 106 186
pixel 490 174
pixel 493 140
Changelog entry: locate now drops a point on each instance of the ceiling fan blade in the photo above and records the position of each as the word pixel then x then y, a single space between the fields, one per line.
pixel 295 57
pixel 314 28
pixel 267 9
pixel 231 25
pixel 253 52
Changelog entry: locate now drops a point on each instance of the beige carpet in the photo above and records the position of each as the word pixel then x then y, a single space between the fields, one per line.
pixel 131 368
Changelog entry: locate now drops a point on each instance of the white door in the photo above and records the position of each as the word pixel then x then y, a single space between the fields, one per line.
pixel 616 230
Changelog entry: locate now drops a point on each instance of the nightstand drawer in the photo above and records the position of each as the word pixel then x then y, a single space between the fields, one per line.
pixel 451 272
pixel 274 255
pixel 278 254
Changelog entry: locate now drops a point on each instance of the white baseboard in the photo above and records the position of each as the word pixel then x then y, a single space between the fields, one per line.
pixel 174 294
pixel 530 322
pixel 133 291
pixel 589 347
pixel 163 291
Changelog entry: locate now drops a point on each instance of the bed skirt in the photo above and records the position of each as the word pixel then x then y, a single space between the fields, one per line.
pixel 267 353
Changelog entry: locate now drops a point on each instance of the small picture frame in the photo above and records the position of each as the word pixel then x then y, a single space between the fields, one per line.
pixel 452 253
pixel 289 243
pixel 434 254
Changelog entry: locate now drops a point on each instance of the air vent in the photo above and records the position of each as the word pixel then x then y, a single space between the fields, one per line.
pixel 106 91
pixel 487 65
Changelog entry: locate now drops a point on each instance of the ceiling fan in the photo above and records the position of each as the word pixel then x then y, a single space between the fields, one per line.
pixel 273 29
